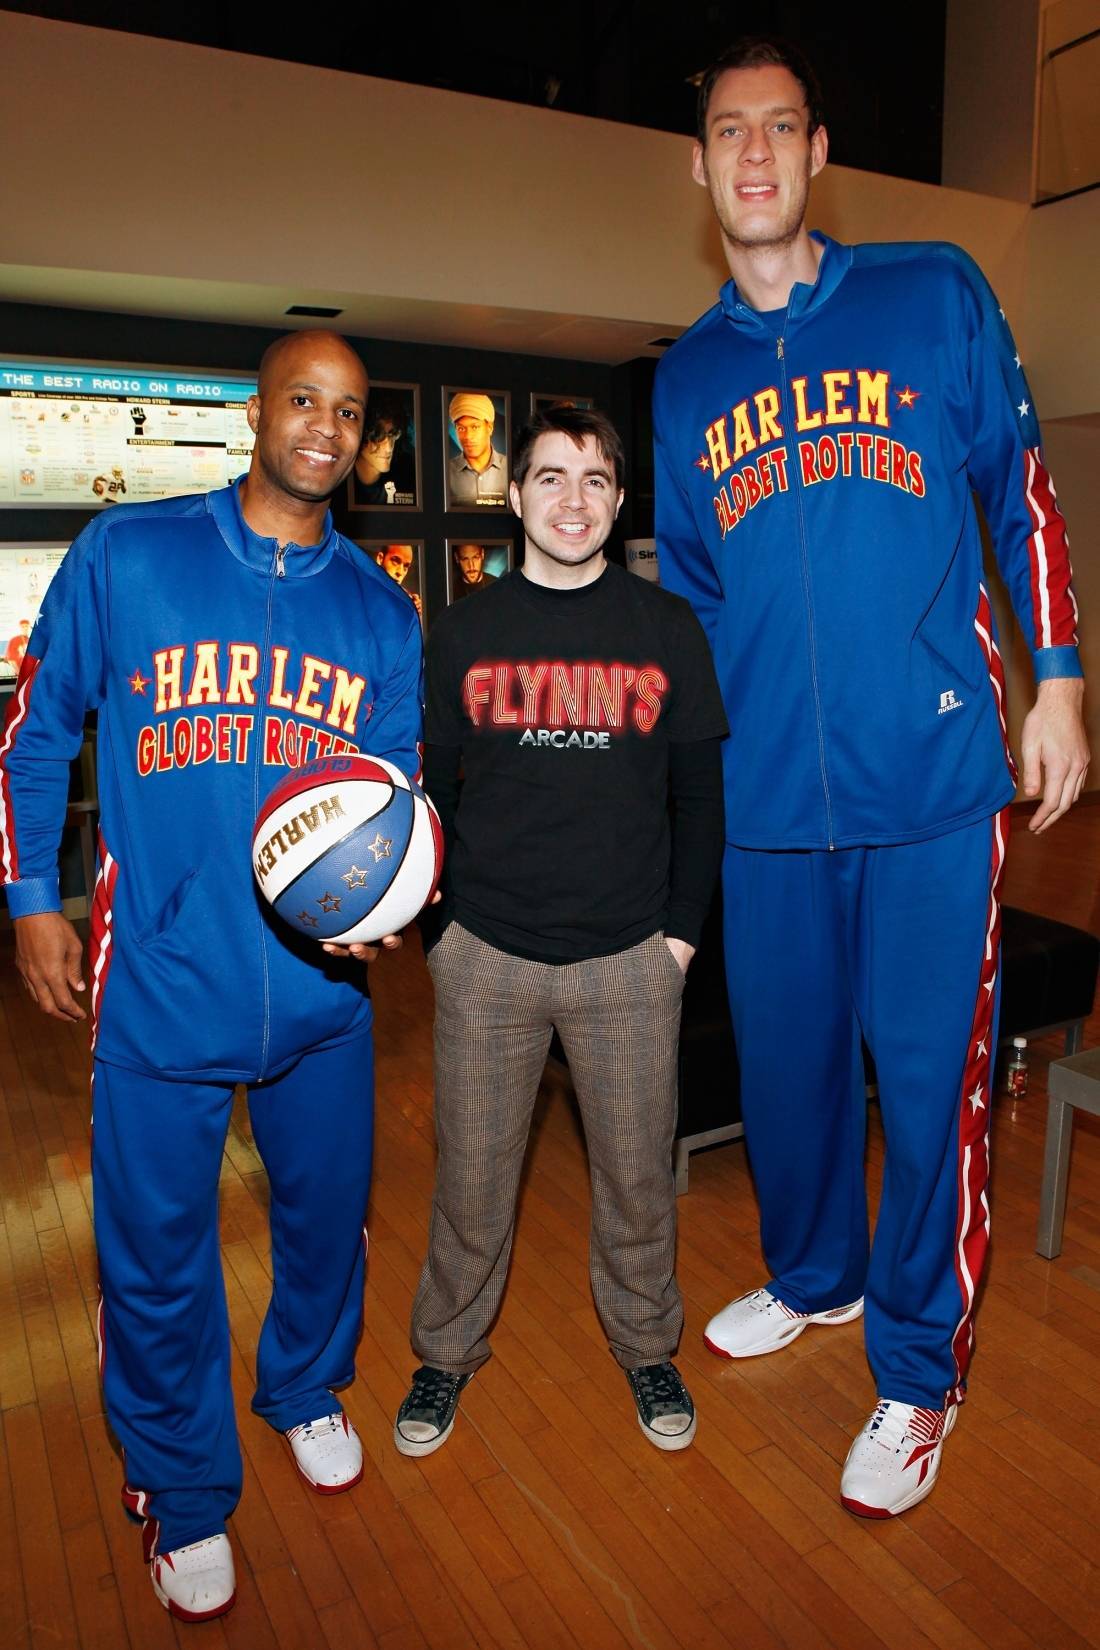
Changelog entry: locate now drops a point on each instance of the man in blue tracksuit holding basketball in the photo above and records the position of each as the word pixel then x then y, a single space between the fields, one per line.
pixel 818 434
pixel 222 639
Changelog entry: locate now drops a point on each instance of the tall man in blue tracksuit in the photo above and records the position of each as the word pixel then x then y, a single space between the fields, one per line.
pixel 222 639
pixel 818 433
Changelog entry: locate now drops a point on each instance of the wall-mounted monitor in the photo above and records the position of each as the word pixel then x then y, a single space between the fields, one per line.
pixel 25 573
pixel 78 435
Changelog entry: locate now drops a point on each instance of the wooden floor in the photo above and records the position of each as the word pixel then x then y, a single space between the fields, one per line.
pixel 547 1521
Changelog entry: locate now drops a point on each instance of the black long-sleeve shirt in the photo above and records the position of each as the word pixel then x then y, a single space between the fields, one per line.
pixel 585 725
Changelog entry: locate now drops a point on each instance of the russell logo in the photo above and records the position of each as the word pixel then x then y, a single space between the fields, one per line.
pixel 949 702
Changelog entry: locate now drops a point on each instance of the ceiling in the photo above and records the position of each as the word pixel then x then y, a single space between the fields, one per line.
pixel 481 326
pixel 622 60
pixel 612 59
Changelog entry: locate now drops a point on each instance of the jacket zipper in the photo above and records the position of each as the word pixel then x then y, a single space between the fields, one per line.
pixel 804 560
pixel 278 571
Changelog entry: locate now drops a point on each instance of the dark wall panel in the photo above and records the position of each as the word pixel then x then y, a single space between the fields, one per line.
pixel 33 330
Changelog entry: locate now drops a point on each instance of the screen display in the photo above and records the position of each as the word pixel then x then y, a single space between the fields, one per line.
pixel 86 435
pixel 25 572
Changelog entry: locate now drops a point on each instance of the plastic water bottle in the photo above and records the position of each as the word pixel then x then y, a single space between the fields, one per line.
pixel 1016 1070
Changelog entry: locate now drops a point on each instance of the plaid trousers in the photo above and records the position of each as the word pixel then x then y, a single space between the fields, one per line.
pixel 618 1018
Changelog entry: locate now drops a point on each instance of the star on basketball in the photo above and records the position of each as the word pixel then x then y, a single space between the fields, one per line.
pixel 347 895
pixel 138 682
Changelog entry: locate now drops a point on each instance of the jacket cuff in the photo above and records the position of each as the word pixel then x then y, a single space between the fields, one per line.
pixel 32 895
pixel 1056 661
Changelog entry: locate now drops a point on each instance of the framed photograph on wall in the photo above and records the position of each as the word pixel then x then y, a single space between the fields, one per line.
pixel 473 565
pixel 404 563
pixel 26 568
pixel 387 472
pixel 477 446
pixel 541 399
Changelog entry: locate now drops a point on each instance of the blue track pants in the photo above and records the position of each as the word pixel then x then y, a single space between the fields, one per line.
pixel 157 1153
pixel 899 944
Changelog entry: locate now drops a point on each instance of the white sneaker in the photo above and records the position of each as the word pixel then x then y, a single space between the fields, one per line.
pixel 196 1582
pixel 759 1322
pixel 895 1461
pixel 327 1453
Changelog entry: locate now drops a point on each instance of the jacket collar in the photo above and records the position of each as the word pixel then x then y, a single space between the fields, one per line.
pixel 836 260
pixel 299 561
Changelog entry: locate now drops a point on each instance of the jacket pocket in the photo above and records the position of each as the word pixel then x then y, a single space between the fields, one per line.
pixel 166 918
pixel 947 655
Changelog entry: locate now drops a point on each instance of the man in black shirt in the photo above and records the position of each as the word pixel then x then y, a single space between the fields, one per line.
pixel 580 703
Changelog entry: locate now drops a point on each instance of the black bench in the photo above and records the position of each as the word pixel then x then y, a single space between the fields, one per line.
pixel 1048 983
pixel 1048 977
pixel 709 1074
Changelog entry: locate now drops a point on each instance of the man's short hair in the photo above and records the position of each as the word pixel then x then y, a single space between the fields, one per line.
pixel 576 423
pixel 762 51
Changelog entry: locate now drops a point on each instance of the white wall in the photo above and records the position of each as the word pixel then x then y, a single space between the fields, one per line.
pixel 246 173
pixel 1060 325
pixel 989 104
pixel 1072 452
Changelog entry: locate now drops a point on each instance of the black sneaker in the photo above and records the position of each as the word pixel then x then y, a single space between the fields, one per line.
pixel 427 1415
pixel 666 1413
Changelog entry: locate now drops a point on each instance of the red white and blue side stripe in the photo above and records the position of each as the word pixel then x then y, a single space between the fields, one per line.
pixel 975 1105
pixel 16 716
pixel 1054 605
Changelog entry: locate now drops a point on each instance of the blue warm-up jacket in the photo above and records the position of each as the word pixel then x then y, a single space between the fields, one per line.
pixel 814 473
pixel 216 661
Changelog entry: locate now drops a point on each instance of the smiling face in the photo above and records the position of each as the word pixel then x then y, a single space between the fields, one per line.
pixel 759 157
pixel 308 417
pixel 567 503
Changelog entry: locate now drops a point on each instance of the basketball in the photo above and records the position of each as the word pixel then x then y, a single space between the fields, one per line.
pixel 347 849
